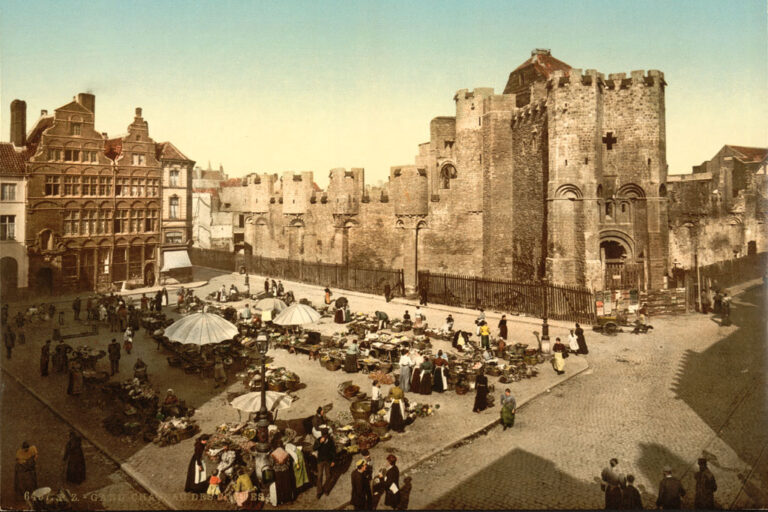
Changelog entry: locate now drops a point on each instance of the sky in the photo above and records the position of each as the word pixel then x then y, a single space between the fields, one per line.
pixel 313 85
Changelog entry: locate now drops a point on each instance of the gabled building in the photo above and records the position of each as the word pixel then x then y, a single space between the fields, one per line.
pixel 13 253
pixel 177 212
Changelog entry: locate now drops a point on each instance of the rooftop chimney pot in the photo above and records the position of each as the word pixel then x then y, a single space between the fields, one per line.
pixel 19 123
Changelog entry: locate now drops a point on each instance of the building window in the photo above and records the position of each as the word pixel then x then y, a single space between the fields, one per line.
pixel 241 221
pixel 121 186
pixel 152 187
pixel 105 186
pixel 71 222
pixel 150 223
pixel 7 227
pixel 71 155
pixel 88 222
pixel 52 185
pixel 173 208
pixel 77 128
pixel 173 237
pixel 173 179
pixel 104 219
pixel 137 187
pixel 104 260
pixel 138 159
pixel 71 185
pixel 90 186
pixel 69 265
pixel 55 155
pixel 8 192
pixel 121 221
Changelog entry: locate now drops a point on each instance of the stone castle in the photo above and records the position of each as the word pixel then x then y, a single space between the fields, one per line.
pixel 561 176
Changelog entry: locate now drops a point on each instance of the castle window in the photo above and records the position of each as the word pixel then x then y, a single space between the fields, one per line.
pixel 241 221
pixel 586 160
pixel 447 173
pixel 608 209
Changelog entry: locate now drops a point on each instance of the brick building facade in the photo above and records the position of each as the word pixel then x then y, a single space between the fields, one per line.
pixel 94 204
pixel 562 176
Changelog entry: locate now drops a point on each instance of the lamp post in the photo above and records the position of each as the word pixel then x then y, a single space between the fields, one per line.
pixel 544 324
pixel 262 423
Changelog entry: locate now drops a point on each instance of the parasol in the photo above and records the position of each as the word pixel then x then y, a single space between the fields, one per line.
pixel 201 329
pixel 297 314
pixel 251 402
pixel 271 303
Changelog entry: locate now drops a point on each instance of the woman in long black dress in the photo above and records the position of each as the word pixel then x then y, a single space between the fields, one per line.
pixel 481 396
pixel 580 340
pixel 392 483
pixel 73 456
pixel 440 368
pixel 197 480
pixel 285 481
pixel 503 327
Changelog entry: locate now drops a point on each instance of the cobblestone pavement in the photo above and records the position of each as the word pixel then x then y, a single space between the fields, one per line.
pixel 690 388
pixel 105 488
pixel 650 400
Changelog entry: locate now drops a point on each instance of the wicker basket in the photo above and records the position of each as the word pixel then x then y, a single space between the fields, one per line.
pixel 292 385
pixel 361 410
pixel 277 386
pixel 333 365
pixel 462 389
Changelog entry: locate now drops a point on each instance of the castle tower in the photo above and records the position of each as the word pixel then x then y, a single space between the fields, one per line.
pixel 410 194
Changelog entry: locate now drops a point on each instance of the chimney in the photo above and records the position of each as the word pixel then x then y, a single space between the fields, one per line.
pixel 87 100
pixel 138 112
pixel 104 134
pixel 19 123
pixel 43 113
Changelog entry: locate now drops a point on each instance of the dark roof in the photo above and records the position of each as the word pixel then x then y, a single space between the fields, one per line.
pixel 545 64
pixel 113 147
pixel 12 162
pixel 167 151
pixel 212 175
pixel 750 155
pixel 42 124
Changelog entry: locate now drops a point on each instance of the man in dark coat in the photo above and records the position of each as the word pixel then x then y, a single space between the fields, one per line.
pixel 670 491
pixel 481 392
pixel 392 483
pixel 326 454
pixel 76 307
pixel 705 487
pixel 45 357
pixel 114 356
pixel 581 340
pixel 612 482
pixel 361 487
pixel 630 496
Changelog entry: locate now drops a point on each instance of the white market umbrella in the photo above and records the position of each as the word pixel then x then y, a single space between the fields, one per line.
pixel 297 314
pixel 251 402
pixel 201 329
pixel 271 303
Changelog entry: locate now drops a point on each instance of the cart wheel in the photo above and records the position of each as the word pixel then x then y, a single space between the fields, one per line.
pixel 610 329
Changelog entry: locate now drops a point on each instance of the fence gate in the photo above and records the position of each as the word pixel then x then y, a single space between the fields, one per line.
pixel 624 276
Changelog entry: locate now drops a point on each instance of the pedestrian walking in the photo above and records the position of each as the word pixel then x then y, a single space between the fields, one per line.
pixel 75 385
pixel 706 485
pixel 114 356
pixel 76 307
pixel 580 340
pixel 392 482
pixel 197 481
pixel 387 292
pixel 361 487
pixel 74 458
pixel 423 296
pixel 612 482
pixel 558 361
pixel 128 340
pixel 503 327
pixel 481 392
pixel 406 364
pixel 25 471
pixel 573 344
pixel 508 409
pixel 630 496
pixel 266 286
pixel 326 455
pixel 45 357
pixel 9 339
pixel 670 491
pixel 327 296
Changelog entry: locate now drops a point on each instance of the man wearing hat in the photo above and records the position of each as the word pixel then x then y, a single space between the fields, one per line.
pixel 361 486
pixel 326 454
pixel 612 482
pixel 705 487
pixel 670 491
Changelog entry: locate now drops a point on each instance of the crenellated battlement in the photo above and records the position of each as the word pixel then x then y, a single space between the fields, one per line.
pixel 652 78
pixel 529 113
pixel 574 77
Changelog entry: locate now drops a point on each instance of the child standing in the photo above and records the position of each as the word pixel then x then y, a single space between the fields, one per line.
pixel 213 484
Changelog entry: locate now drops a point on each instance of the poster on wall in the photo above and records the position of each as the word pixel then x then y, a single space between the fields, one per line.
pixel 607 303
pixel 634 300
pixel 599 309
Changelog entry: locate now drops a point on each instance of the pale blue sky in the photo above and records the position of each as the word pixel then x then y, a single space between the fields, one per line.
pixel 279 86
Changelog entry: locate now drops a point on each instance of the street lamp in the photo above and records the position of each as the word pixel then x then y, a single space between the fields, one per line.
pixel 262 423
pixel 544 324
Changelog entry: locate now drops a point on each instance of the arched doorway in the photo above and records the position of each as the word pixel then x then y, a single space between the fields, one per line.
pixel 149 274
pixel 9 272
pixel 622 270
pixel 44 280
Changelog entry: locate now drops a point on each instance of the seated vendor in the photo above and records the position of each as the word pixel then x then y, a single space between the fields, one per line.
pixel 170 405
pixel 245 313
pixel 233 291
pixel 407 318
pixel 140 370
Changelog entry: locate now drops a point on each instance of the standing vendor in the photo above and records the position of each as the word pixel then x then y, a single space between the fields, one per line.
pixel 350 362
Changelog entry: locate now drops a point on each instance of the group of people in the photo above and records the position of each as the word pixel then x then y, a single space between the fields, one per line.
pixel 25 470
pixel 621 493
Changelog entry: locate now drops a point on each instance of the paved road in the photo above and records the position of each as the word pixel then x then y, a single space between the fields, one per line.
pixel 105 488
pixel 688 389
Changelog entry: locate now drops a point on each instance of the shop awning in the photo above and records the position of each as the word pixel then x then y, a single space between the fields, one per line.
pixel 175 259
